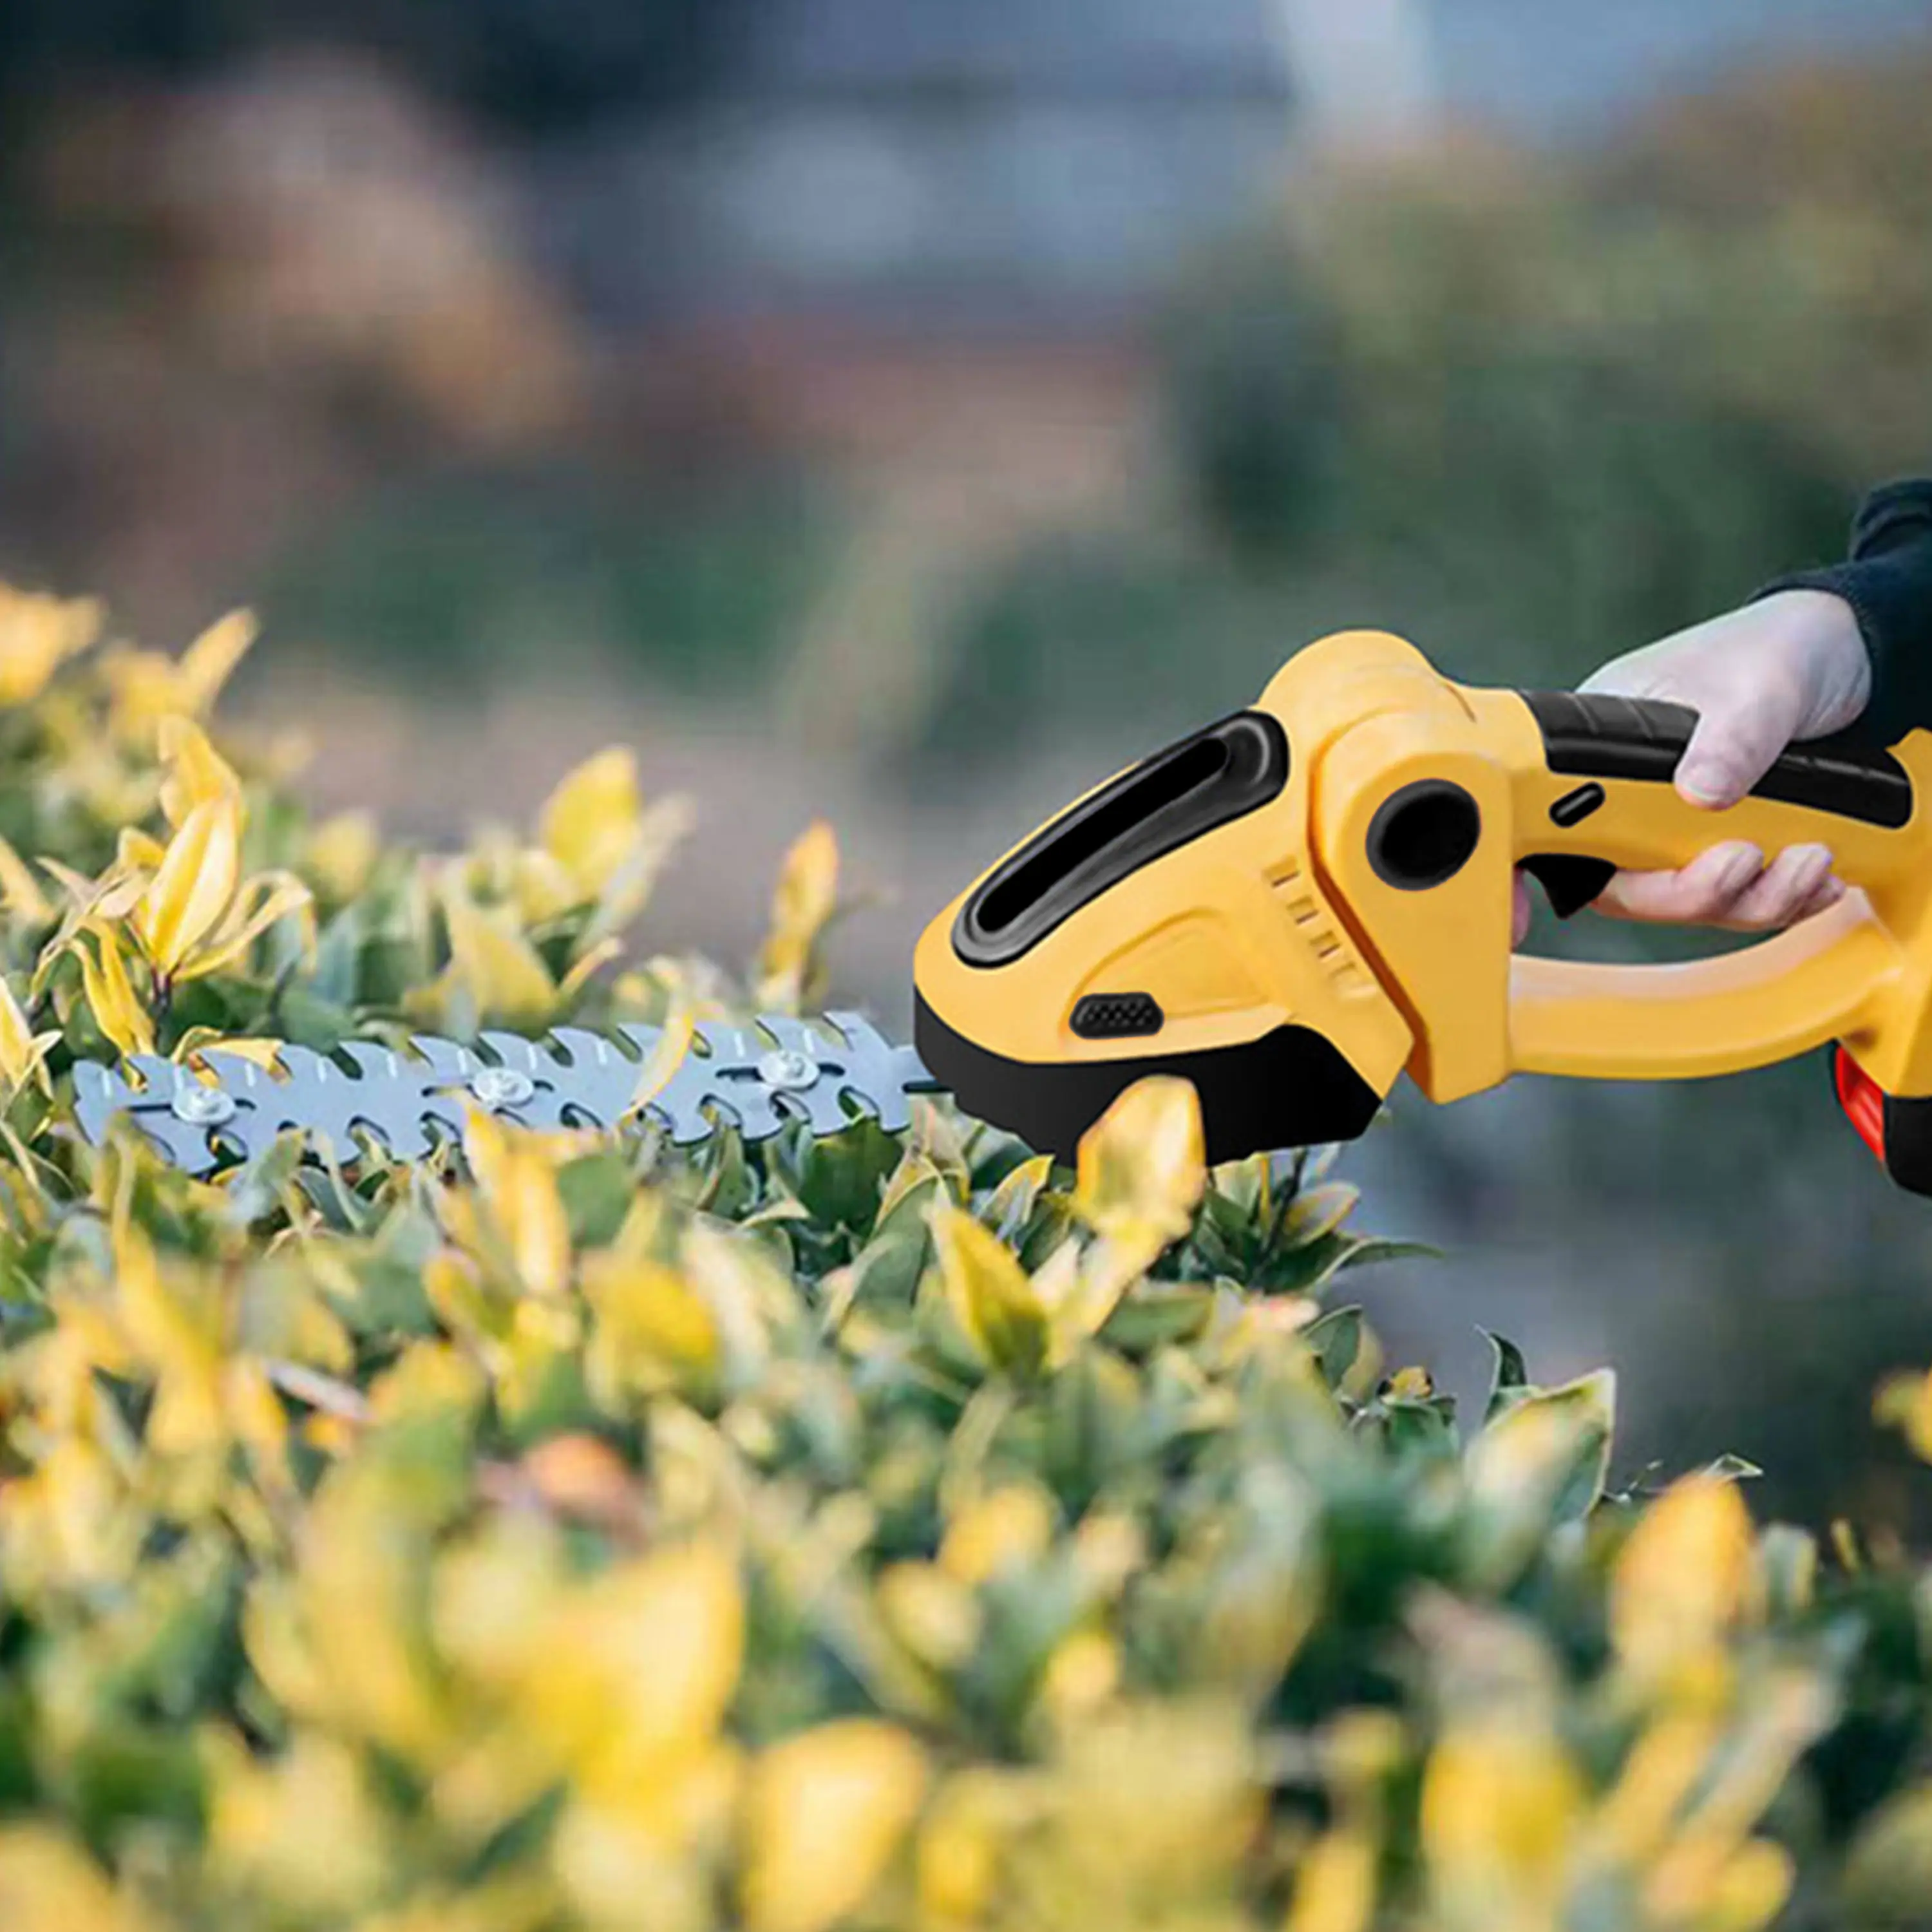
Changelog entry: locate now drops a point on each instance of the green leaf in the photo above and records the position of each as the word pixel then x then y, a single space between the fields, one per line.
pixel 1337 1340
pixel 840 1178
pixel 1509 1374
pixel 1539 1462
pixel 1156 1314
pixel 597 1191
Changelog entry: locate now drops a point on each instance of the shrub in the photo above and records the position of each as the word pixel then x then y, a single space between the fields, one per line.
pixel 890 1531
pixel 1538 407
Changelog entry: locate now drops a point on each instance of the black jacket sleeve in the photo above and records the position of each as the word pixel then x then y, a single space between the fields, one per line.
pixel 1887 581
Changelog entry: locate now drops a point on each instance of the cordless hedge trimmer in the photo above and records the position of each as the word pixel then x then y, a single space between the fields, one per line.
pixel 1287 909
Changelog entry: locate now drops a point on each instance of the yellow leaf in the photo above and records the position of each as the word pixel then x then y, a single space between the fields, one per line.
pixel 659 829
pixel 536 885
pixel 341 852
pixel 361 1613
pixel 1081 1675
pixel 113 896
pixel 806 894
pixel 1501 1804
pixel 516 1180
pixel 1904 1402
pixel 265 898
pixel 208 664
pixel 589 823
pixel 20 891
pixel 825 1812
pixel 194 886
pixel 1683 1578
pixel 635 1671
pixel 110 995
pixel 50 1884
pixel 1141 1168
pixel 138 851
pixel 509 982
pixel 265 1054
pixel 1335 1884
pixel 179 1340
pixel 257 1419
pixel 654 1332
pixel 303 1827
pixel 21 1050
pixel 197 774
pixel 486 1147
pixel 1660 1771
pixel 584 968
pixel 1709 1874
pixel 989 1291
pixel 1011 1525
pixel 957 1860
pixel 665 1058
pixel 935 1616
pixel 1081 1289
pixel 37 635
pixel 428 1379
pixel 1751 1889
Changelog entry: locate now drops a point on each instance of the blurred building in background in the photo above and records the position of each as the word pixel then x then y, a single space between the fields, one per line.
pixel 906 410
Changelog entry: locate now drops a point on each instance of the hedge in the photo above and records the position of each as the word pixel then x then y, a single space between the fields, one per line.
pixel 887 1531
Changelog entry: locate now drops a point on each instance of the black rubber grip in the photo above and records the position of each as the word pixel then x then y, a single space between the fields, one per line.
pixel 1595 735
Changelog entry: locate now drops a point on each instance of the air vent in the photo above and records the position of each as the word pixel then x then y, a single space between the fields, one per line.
pixel 1116 1015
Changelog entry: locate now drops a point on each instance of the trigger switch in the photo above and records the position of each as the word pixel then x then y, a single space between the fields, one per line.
pixel 1570 880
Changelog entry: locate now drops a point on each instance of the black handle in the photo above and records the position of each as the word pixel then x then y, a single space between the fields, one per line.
pixel 1594 736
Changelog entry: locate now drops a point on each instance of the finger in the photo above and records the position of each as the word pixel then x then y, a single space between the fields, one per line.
pixel 1736 740
pixel 1699 894
pixel 1827 895
pixel 1519 910
pixel 1778 895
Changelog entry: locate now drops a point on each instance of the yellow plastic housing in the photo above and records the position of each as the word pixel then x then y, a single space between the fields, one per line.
pixel 1281 917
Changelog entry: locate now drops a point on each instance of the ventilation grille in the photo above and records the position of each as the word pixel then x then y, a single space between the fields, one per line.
pixel 1116 1015
pixel 1319 932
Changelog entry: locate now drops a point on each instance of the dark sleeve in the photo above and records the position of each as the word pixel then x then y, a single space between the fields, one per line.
pixel 1887 580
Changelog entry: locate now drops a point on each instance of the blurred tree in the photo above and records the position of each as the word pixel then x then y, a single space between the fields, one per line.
pixel 531 64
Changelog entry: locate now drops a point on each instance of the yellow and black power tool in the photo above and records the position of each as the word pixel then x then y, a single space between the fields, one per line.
pixel 1291 907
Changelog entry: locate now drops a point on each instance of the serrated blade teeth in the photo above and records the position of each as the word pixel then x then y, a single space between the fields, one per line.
pixel 756 1078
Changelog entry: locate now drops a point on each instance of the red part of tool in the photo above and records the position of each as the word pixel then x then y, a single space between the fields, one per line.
pixel 1863 1100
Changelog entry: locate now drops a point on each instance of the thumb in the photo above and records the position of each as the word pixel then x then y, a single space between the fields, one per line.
pixel 1737 739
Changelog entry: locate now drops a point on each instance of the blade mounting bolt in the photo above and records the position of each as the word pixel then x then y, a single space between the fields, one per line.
pixel 788 1069
pixel 502 1086
pixel 201 1106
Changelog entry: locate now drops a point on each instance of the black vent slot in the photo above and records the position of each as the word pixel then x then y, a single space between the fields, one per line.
pixel 1168 799
pixel 1116 1015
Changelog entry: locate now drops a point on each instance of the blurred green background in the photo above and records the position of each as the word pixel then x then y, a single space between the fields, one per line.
pixel 907 413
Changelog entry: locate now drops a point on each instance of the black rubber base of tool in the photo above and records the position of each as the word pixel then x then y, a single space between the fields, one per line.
pixel 1292 1087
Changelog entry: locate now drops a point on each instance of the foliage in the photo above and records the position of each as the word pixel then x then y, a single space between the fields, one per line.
pixel 1530 406
pixel 569 1532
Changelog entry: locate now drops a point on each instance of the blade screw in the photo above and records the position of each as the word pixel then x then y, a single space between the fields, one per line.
pixel 201 1106
pixel 502 1086
pixel 788 1069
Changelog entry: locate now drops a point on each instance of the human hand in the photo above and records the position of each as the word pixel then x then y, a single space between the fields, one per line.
pixel 1790 666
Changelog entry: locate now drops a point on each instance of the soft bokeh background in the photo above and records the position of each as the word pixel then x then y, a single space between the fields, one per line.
pixel 908 411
